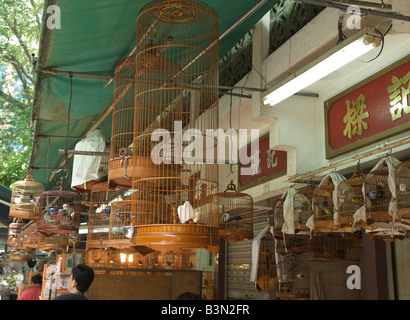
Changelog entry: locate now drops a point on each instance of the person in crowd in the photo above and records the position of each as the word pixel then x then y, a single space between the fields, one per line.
pixel 80 281
pixel 34 292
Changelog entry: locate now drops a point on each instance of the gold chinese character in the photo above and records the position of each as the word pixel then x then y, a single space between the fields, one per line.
pixel 398 96
pixel 269 161
pixel 354 118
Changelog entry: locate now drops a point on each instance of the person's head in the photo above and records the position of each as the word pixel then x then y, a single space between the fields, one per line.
pixel 81 278
pixel 37 279
pixel 189 296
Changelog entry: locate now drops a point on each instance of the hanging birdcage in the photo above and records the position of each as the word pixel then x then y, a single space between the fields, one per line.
pixel 292 212
pixel 324 203
pixel 236 214
pixel 329 259
pixel 25 199
pixel 176 101
pixel 380 193
pixel 120 217
pixel 403 192
pixel 121 161
pixel 266 277
pixel 54 241
pixel 15 228
pixel 350 200
pixel 59 211
pixel 28 239
pixel 100 212
pixel 19 255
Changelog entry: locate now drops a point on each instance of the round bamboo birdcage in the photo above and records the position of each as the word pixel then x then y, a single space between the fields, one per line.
pixel 350 198
pixel 25 199
pixel 176 101
pixel 59 211
pixel 266 279
pixel 28 239
pixel 329 259
pixel 236 217
pixel 324 206
pixel 377 192
pixel 15 228
pixel 302 208
pixel 100 212
pixel 403 192
pixel 120 217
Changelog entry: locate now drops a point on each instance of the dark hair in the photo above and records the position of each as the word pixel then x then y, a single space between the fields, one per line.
pixel 37 279
pixel 84 276
pixel 189 296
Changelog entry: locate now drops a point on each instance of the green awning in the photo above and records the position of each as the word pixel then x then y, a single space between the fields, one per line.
pixel 94 36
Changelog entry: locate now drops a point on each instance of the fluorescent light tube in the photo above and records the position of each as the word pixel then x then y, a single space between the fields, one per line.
pixel 337 60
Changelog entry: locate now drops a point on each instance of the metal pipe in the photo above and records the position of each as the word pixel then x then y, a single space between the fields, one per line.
pixel 340 6
pixel 77 74
pixel 379 149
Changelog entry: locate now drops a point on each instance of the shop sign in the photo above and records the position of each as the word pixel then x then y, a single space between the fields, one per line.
pixel 372 110
pixel 266 164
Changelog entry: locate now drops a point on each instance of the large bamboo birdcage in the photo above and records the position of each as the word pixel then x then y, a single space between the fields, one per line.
pixel 302 211
pixel 15 228
pixel 350 199
pixel 25 199
pixel 176 101
pixel 324 203
pixel 121 160
pixel 59 211
pixel 403 192
pixel 378 192
pixel 100 212
pixel 236 214
pixel 329 258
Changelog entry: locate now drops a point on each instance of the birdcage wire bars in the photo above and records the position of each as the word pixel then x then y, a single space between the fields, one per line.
pixel 403 193
pixel 59 211
pixel 323 206
pixel 266 279
pixel 236 217
pixel 25 199
pixel 100 212
pixel 120 165
pixel 176 101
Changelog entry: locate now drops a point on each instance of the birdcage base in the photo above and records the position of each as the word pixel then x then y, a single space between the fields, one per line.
pixel 96 244
pixel 404 213
pixel 164 238
pixel 119 244
pixel 266 283
pixel 325 226
pixel 292 296
pixel 379 216
pixel 122 171
pixel 87 187
pixel 235 235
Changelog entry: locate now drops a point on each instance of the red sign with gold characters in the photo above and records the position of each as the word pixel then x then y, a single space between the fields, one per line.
pixel 372 110
pixel 266 164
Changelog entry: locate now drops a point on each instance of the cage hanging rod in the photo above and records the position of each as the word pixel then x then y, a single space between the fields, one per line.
pixel 58 137
pixel 83 153
pixel 344 6
pixel 378 149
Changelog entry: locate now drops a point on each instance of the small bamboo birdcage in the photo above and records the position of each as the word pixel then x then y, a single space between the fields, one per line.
pixel 120 217
pixel 15 228
pixel 28 239
pixel 266 279
pixel 350 199
pixel 236 217
pixel 302 209
pixel 323 204
pixel 378 192
pixel 403 192
pixel 100 212
pixel 59 211
pixel 329 259
pixel 121 160
pixel 25 199
pixel 176 96
pixel 55 241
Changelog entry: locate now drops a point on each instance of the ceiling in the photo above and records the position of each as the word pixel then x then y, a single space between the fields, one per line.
pixel 94 37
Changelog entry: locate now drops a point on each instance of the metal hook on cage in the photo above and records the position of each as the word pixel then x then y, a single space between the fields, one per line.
pixel 66 173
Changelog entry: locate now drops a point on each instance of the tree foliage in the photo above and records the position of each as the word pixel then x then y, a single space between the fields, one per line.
pixel 20 22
